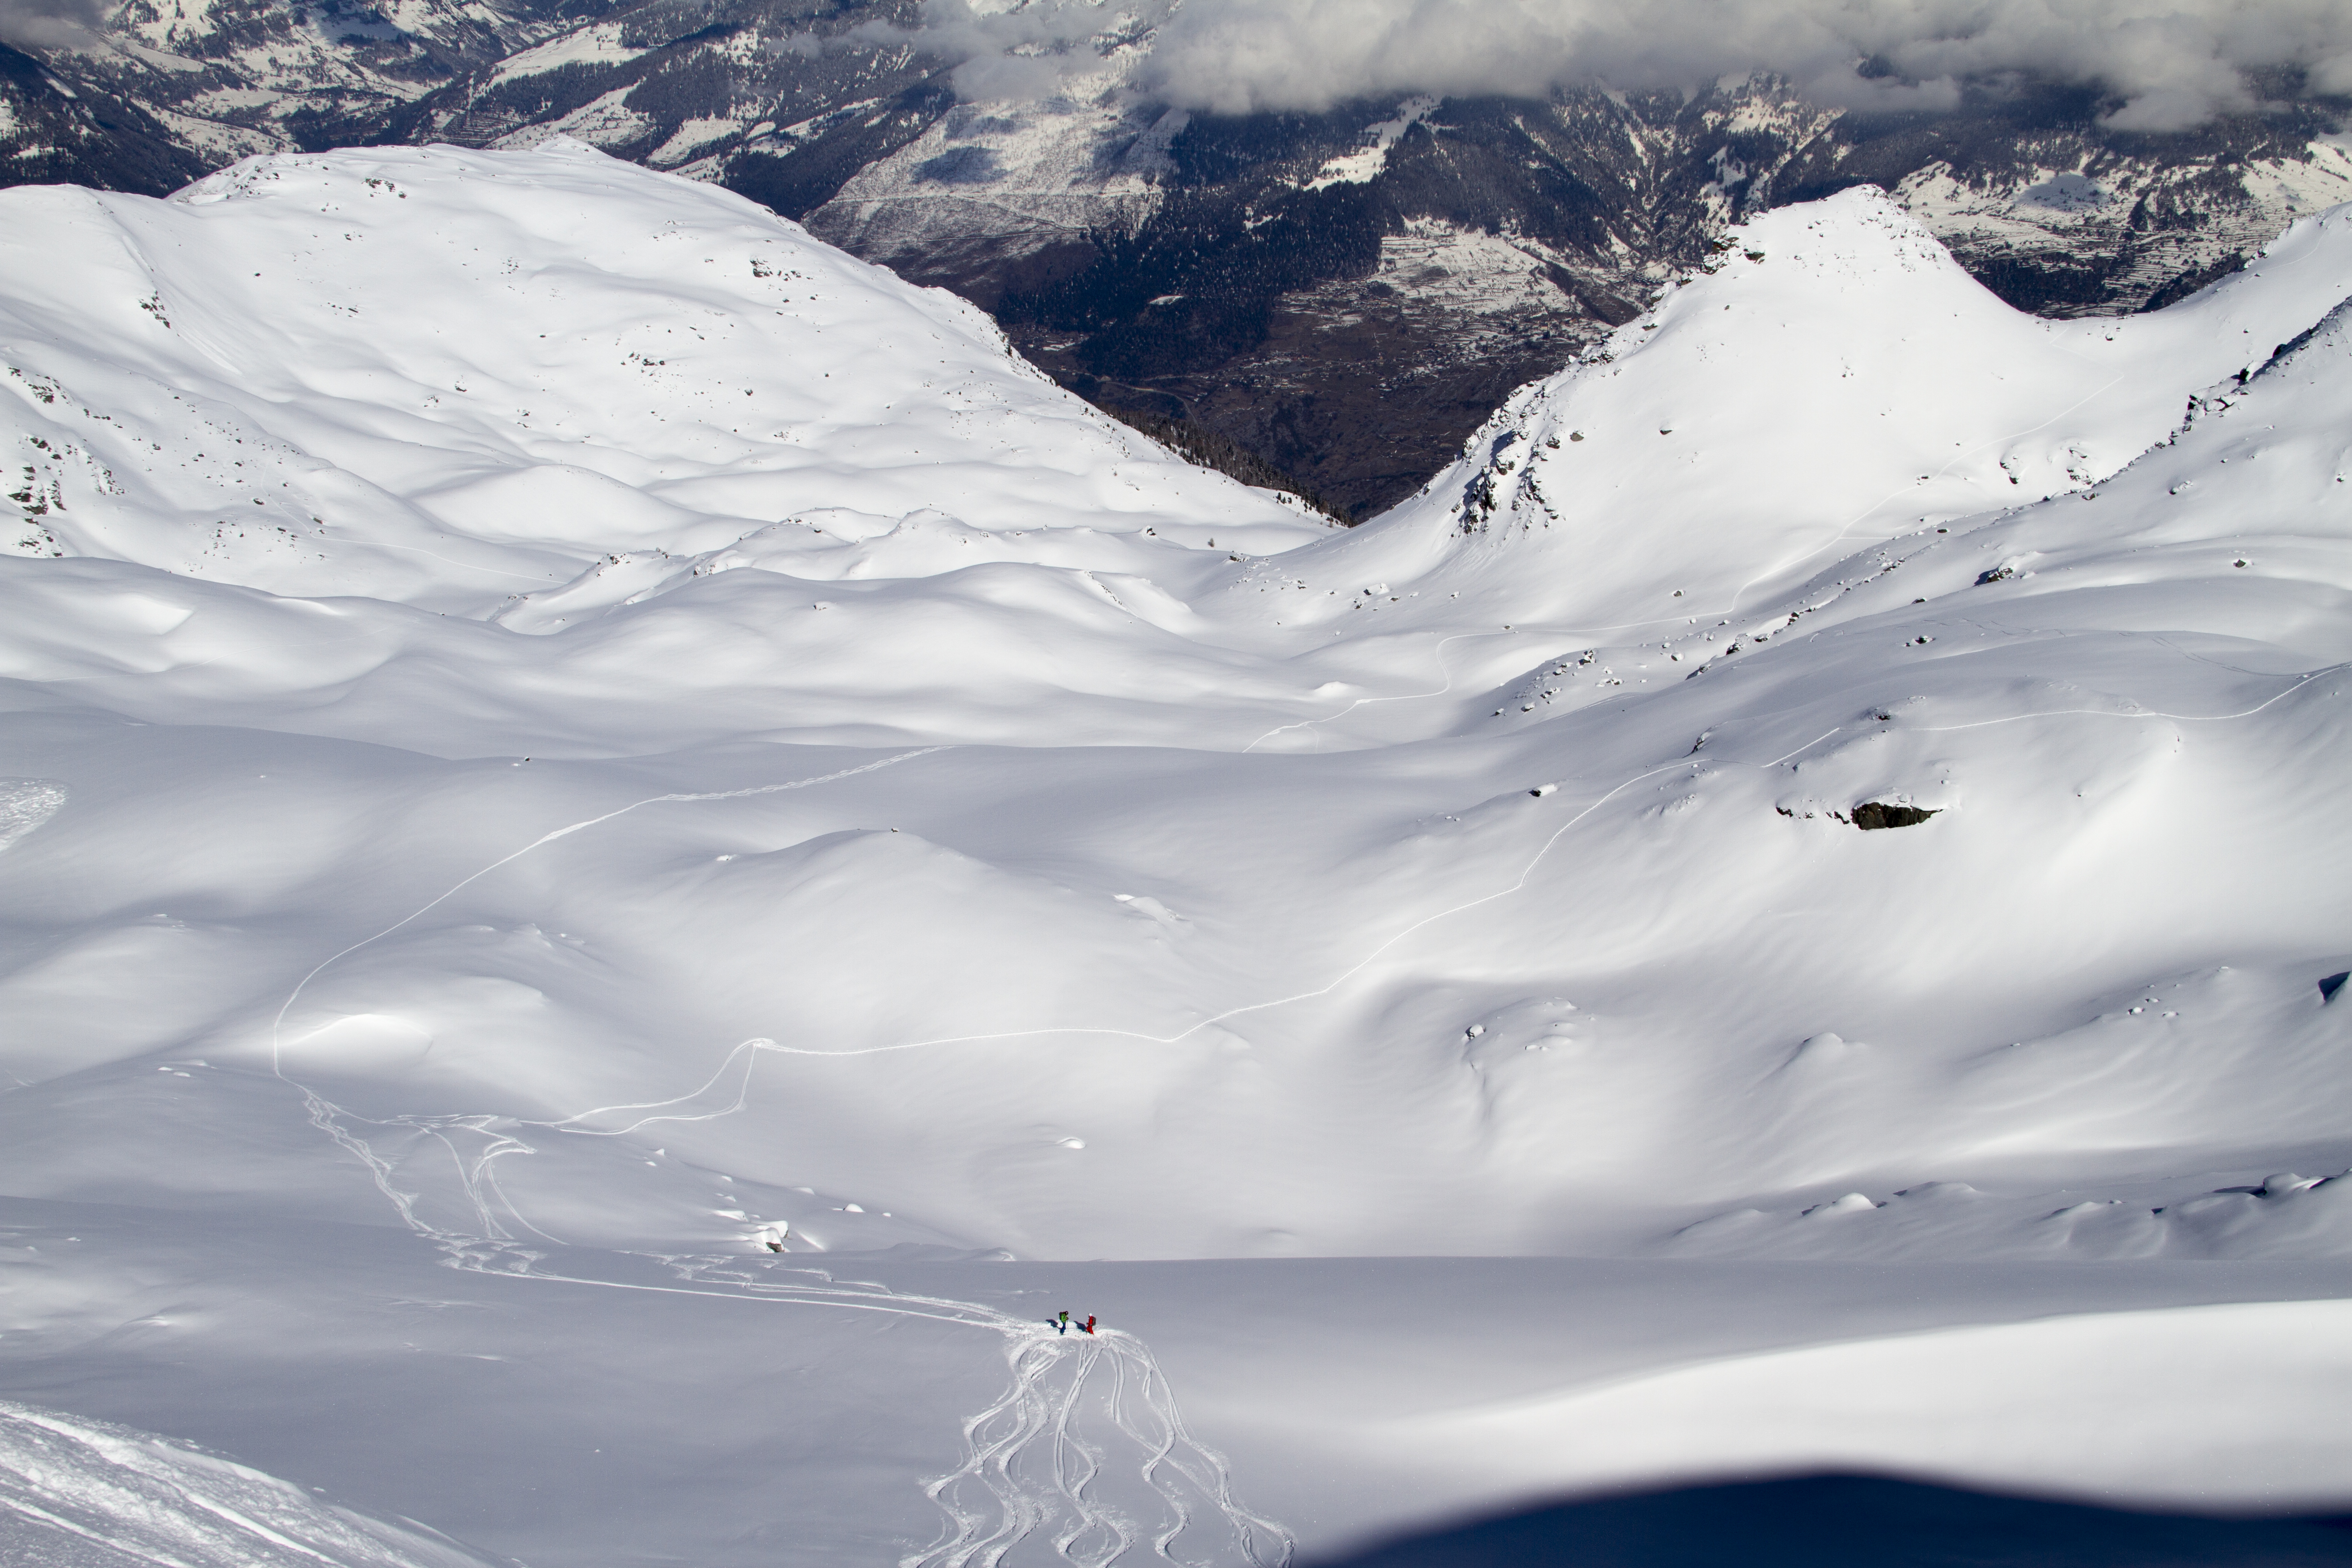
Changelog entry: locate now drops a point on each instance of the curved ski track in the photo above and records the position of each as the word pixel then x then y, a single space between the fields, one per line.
pixel 1082 1461
pixel 1053 1466
pixel 1085 1456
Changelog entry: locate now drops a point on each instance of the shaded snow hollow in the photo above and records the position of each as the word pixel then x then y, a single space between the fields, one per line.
pixel 557 726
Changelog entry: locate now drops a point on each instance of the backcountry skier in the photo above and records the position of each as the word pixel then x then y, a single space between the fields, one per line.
pixel 1089 1324
pixel 1061 1324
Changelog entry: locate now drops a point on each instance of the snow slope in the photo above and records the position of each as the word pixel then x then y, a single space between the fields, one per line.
pixel 1733 900
pixel 497 372
pixel 95 1496
pixel 531 386
pixel 1837 380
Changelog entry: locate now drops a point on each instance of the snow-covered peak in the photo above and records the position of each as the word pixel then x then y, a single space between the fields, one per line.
pixel 449 376
pixel 1834 381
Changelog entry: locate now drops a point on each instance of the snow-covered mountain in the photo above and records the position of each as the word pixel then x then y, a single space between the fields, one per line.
pixel 630 850
pixel 449 352
pixel 1345 294
pixel 1348 293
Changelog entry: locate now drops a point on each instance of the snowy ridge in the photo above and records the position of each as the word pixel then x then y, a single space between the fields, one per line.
pixel 1926 400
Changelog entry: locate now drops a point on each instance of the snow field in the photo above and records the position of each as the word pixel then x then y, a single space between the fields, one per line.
pixel 82 1494
pixel 613 830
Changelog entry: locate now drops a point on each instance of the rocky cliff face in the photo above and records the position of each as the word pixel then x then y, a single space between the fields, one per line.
pixel 1345 295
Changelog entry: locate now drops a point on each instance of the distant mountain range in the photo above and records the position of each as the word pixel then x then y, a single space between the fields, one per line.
pixel 1340 296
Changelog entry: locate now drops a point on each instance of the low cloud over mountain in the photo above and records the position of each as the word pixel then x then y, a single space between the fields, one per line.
pixel 2167 64
pixel 45 24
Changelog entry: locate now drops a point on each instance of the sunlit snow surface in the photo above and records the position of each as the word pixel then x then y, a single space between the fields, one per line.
pixel 82 1494
pixel 559 731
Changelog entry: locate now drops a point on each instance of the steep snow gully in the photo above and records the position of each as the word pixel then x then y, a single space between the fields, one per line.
pixel 578 767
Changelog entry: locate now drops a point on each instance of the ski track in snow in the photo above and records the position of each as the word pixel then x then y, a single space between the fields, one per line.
pixel 279 1024
pixel 1145 1475
pixel 1016 1483
pixel 1083 1457
pixel 750 1050
pixel 1034 1426
pixel 1032 1470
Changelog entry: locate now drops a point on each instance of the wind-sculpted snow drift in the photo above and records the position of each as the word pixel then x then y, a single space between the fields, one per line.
pixel 558 727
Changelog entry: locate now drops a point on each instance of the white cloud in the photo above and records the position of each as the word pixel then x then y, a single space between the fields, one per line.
pixel 47 24
pixel 2172 63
